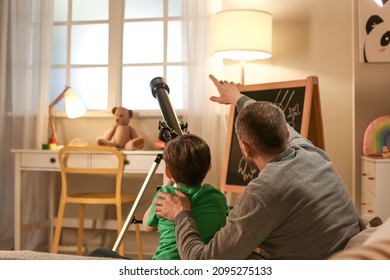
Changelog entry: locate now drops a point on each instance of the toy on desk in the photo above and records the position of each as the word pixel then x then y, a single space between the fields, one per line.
pixel 77 142
pixel 121 134
pixel 51 145
pixel 159 145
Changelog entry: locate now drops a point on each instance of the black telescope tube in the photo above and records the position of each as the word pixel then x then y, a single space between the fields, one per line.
pixel 160 91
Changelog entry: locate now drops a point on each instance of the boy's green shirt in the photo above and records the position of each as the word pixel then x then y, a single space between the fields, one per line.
pixel 209 209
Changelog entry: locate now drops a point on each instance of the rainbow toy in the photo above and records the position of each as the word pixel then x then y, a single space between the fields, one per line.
pixel 377 137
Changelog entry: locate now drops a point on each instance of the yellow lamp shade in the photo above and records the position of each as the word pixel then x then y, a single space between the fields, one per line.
pixel 74 107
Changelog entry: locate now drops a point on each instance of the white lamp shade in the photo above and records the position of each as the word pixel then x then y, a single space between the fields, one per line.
pixel 74 107
pixel 243 34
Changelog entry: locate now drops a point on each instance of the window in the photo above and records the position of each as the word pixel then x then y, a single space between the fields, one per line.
pixel 109 54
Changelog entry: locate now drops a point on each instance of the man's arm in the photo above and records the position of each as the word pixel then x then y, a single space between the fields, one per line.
pixel 230 242
pixel 229 94
pixel 236 240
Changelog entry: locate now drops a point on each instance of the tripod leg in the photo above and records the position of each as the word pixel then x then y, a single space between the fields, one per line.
pixel 130 216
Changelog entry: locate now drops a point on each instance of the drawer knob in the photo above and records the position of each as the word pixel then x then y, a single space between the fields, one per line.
pixel 126 161
pixel 52 160
pixel 371 178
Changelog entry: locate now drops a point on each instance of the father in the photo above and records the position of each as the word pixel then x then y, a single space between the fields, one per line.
pixel 297 208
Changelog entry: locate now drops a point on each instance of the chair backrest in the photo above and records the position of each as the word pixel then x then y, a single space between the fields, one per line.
pixel 91 160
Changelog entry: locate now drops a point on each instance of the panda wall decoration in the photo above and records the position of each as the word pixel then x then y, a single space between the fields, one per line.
pixel 374 31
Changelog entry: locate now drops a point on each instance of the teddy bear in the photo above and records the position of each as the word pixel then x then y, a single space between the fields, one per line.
pixel 121 134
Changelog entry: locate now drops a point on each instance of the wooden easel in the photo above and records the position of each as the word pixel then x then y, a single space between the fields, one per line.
pixel 300 101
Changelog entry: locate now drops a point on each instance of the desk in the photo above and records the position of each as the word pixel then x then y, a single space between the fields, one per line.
pixel 47 161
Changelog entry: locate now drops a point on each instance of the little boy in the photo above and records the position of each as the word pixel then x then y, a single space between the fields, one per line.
pixel 187 161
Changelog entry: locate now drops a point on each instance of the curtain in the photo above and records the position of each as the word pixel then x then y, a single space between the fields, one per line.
pixel 24 93
pixel 6 209
pixel 205 118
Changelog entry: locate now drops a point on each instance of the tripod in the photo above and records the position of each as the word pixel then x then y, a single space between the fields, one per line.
pixel 130 217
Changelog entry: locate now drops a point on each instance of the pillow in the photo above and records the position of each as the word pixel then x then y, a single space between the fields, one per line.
pixel 360 238
pixel 368 225
pixel 372 243
pixel 382 233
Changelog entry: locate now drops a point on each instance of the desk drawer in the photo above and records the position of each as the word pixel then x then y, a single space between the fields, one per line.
pixel 369 176
pixel 39 160
pixel 139 163
pixel 368 202
pixel 103 161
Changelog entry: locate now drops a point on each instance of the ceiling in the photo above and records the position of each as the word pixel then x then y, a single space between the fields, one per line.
pixel 281 10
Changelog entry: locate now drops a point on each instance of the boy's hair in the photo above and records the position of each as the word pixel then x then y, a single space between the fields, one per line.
pixel 263 126
pixel 188 157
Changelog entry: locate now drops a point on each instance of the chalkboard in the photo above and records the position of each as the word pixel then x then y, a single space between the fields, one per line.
pixel 300 102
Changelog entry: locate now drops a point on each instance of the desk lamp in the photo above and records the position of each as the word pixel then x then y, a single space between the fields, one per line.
pixel 243 35
pixel 74 108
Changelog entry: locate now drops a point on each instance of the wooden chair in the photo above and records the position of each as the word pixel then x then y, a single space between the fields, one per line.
pixel 75 160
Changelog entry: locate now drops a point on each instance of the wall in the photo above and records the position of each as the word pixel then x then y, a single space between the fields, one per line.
pixel 314 38
pixel 372 96
pixel 89 128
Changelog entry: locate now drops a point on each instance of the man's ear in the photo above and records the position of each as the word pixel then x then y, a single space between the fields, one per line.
pixel 244 148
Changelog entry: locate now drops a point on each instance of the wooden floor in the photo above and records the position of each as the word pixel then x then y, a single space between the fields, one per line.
pixel 97 239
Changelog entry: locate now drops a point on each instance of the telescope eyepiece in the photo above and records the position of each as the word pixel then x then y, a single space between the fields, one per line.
pixel 158 83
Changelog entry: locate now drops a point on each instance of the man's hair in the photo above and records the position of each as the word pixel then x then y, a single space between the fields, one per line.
pixel 188 157
pixel 263 126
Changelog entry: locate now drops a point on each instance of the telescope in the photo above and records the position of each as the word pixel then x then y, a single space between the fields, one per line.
pixel 171 127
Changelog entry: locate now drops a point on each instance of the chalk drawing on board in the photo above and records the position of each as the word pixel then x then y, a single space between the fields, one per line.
pixel 292 111
pixel 280 104
pixel 246 171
